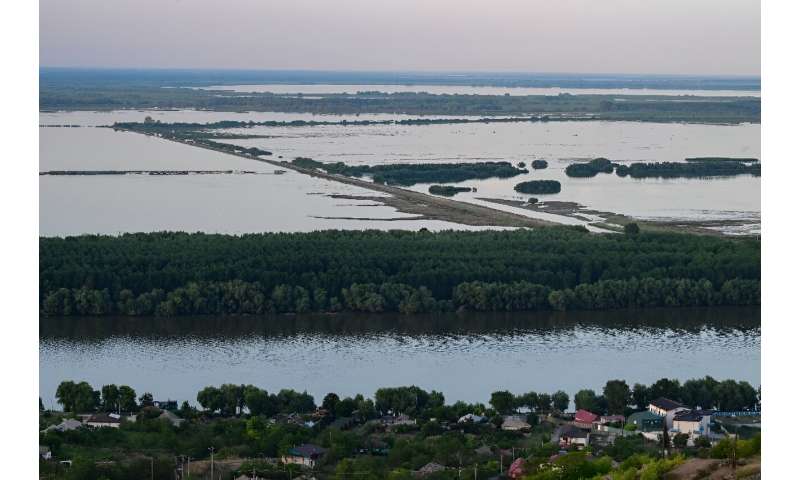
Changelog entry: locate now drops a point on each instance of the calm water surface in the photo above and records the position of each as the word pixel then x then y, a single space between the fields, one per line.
pixel 466 356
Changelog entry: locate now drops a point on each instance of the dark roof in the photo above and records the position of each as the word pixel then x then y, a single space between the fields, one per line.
pixel 307 450
pixel 666 404
pixel 104 418
pixel 693 416
pixel 571 431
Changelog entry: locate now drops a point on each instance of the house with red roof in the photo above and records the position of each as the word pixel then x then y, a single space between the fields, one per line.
pixel 584 419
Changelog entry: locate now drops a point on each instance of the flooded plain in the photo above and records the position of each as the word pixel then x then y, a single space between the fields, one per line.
pixel 264 202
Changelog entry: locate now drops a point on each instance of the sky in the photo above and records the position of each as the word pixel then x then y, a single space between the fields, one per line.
pixel 691 37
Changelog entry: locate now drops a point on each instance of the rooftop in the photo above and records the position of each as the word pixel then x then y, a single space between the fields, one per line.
pixel 666 404
pixel 307 450
pixel 585 416
pixel 692 416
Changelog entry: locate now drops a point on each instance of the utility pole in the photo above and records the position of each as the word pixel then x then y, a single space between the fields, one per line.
pixel 212 462
pixel 476 471
pixel 151 468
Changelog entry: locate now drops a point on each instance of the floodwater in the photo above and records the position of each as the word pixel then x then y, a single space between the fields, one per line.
pixel 293 202
pixel 560 143
pixel 466 356
pixel 311 89
pixel 74 205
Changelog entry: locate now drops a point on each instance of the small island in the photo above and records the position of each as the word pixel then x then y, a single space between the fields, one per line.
pixel 538 187
pixel 590 169
pixel 447 190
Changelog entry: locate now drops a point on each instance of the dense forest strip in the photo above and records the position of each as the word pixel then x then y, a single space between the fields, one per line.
pixel 655 108
pixel 556 268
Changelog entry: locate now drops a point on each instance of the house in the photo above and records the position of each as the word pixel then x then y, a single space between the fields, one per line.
pixel 429 469
pixel 608 423
pixel 306 455
pixel 646 421
pixel 693 423
pixel 100 420
pixel 175 420
pixel 472 418
pixel 569 435
pixel 607 419
pixel 666 408
pixel 166 404
pixel 514 423
pixel 402 419
pixel 517 468
pixel 65 426
pixel 584 419
pixel 45 453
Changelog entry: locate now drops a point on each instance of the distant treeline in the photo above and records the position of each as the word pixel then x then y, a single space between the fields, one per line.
pixel 229 399
pixel 605 107
pixel 410 272
pixel 689 169
pixel 538 186
pixel 156 126
pixel 409 174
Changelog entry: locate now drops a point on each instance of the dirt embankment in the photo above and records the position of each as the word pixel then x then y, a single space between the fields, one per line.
pixel 422 205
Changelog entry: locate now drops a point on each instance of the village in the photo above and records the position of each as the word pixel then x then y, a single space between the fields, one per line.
pixel 405 433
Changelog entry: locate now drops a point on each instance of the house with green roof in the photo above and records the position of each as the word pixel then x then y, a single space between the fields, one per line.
pixel 646 421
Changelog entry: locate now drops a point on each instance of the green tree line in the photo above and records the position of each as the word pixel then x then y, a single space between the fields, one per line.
pixel 560 268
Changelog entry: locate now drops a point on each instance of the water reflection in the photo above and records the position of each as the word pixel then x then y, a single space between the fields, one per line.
pixel 467 356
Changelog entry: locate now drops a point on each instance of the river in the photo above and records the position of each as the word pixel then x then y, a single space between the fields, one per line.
pixel 466 356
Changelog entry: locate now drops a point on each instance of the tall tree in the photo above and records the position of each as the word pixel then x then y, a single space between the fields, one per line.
pixel 640 395
pixel 618 395
pixel 110 397
pixel 587 400
pixel 127 398
pixel 503 401
pixel 561 401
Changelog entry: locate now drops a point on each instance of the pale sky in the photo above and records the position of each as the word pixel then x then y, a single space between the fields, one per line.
pixel 714 37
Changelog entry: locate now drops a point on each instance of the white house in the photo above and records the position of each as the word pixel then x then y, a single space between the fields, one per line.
pixel 666 408
pixel 514 423
pixel 693 423
pixel 472 418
